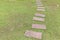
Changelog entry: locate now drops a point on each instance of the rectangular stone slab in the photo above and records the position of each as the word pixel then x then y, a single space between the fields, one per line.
pixel 38 14
pixel 39 26
pixel 39 5
pixel 33 34
pixel 40 9
pixel 38 2
pixel 38 19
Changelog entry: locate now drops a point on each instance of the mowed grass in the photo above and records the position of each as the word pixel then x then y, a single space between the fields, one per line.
pixel 16 17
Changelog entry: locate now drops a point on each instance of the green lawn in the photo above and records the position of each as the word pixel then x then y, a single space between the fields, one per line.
pixel 16 17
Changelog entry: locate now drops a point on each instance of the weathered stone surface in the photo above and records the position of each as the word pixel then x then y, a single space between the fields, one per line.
pixel 30 33
pixel 39 26
pixel 38 19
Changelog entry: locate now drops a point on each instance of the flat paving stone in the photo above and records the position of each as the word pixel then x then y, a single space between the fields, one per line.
pixel 39 5
pixel 33 34
pixel 38 0
pixel 39 26
pixel 38 14
pixel 40 9
pixel 38 19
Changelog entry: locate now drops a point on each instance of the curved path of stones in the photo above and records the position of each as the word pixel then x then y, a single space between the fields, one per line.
pixel 38 17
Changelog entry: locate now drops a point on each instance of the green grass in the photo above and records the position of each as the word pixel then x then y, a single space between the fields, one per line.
pixel 16 17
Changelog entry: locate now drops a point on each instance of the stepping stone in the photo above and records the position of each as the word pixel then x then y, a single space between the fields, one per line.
pixel 30 33
pixel 38 14
pixel 39 5
pixel 40 9
pixel 38 19
pixel 38 0
pixel 39 26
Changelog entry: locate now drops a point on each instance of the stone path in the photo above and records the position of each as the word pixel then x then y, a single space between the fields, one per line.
pixel 40 6
pixel 37 17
